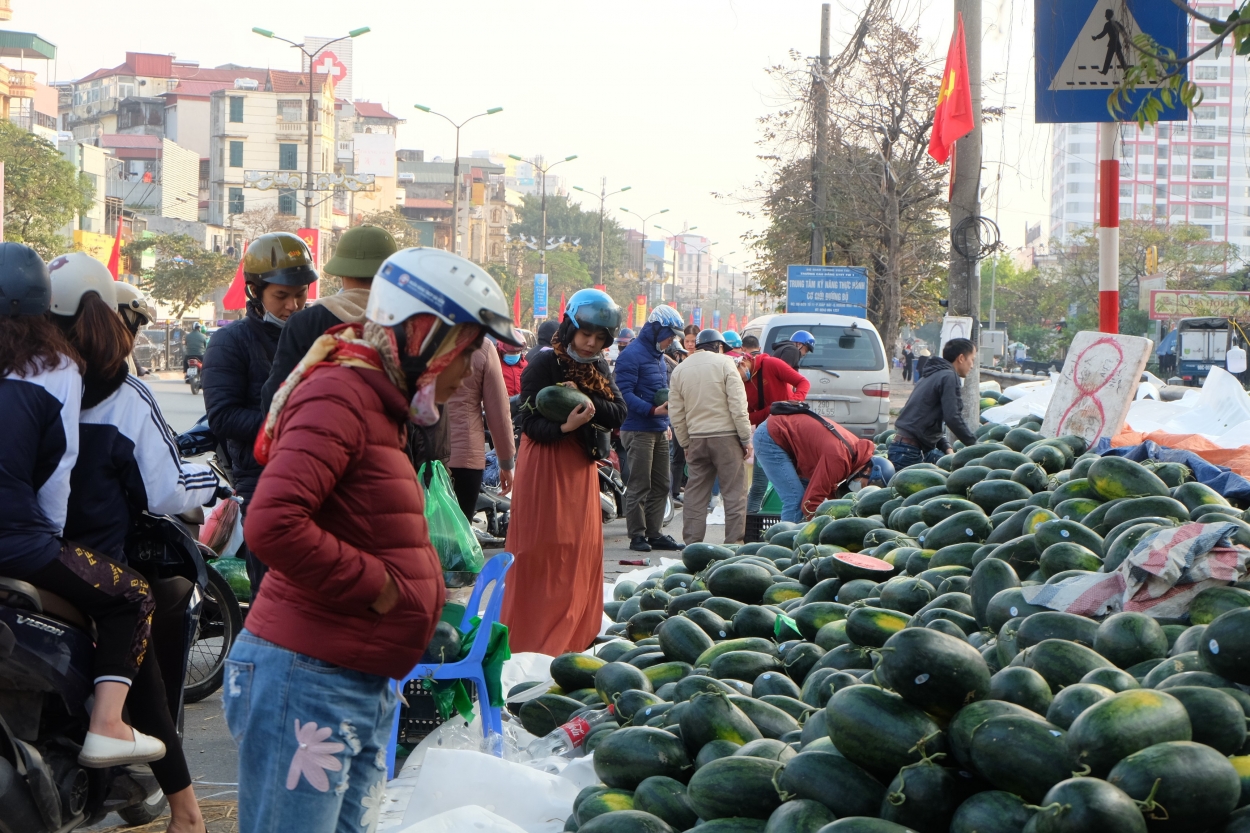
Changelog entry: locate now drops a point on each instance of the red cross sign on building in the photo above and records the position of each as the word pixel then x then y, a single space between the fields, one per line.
pixel 329 64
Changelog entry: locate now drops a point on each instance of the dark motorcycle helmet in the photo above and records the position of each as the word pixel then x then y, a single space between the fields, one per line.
pixel 25 287
pixel 278 257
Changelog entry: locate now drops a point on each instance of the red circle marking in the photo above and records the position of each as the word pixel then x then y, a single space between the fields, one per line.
pixel 1088 392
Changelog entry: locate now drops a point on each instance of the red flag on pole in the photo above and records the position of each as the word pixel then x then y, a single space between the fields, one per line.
pixel 953 117
pixel 236 296
pixel 561 306
pixel 629 315
pixel 733 321
pixel 516 307
pixel 115 259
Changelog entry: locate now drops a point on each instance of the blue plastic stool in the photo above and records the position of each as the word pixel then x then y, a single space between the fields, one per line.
pixel 469 668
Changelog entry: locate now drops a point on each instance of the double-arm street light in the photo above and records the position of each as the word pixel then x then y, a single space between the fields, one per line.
pixel 542 246
pixel 455 191
pixel 312 104
pixel 642 243
pixel 674 235
pixel 603 196
pixel 720 263
pixel 698 270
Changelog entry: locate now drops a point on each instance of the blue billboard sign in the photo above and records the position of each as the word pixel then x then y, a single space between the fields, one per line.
pixel 696 316
pixel 1082 48
pixel 540 295
pixel 716 319
pixel 838 290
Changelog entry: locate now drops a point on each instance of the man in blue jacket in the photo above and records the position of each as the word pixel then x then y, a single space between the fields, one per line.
pixel 641 374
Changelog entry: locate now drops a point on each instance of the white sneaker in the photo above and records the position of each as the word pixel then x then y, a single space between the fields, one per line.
pixel 99 752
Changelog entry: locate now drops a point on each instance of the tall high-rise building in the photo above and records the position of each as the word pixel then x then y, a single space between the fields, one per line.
pixel 1196 171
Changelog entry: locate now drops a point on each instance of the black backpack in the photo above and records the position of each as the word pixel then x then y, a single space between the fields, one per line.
pixel 792 408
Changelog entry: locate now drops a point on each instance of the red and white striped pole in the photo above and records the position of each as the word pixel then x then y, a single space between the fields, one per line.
pixel 1109 228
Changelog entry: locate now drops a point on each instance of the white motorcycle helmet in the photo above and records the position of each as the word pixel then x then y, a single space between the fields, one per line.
pixel 73 276
pixel 132 305
pixel 458 291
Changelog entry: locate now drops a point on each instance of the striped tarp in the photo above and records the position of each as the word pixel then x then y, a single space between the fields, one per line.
pixel 1159 578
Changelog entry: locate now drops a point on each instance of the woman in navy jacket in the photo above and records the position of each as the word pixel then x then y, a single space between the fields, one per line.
pixel 40 397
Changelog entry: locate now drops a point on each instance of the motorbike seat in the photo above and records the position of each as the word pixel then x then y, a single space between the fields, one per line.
pixel 42 601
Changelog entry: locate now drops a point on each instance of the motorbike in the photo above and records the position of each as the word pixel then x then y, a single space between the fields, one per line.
pixel 221 619
pixel 194 375
pixel 46 648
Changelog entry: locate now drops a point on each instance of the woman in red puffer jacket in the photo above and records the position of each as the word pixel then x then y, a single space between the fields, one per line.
pixel 354 587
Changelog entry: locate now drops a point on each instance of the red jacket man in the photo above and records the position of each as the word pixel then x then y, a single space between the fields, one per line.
pixel 772 380
pixel 818 456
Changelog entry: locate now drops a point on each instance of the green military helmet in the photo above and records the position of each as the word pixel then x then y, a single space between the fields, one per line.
pixel 360 252
pixel 279 257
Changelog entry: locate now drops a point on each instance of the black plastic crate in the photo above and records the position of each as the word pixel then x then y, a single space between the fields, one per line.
pixel 420 716
pixel 757 525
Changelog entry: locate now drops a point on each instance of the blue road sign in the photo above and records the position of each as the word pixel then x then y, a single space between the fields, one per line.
pixel 540 295
pixel 840 290
pixel 1082 48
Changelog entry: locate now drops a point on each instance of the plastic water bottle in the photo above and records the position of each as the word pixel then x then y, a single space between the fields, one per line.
pixel 566 741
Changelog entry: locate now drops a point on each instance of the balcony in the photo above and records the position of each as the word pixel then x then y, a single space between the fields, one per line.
pixel 6 11
pixel 298 128
pixel 21 83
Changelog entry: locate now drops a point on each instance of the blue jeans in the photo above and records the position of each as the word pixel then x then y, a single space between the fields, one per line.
pixel 312 740
pixel 759 485
pixel 903 455
pixel 781 473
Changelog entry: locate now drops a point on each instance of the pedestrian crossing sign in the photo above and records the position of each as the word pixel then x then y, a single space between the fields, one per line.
pixel 1083 48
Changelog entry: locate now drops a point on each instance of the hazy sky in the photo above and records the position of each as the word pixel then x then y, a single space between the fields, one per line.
pixel 660 95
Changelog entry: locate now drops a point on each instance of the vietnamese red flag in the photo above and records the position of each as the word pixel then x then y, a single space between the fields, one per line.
pixel 115 259
pixel 561 306
pixel 629 314
pixel 516 307
pixel 236 296
pixel 953 117
pixel 733 321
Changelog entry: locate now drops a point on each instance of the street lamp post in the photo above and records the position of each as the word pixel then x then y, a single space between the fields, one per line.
pixel 642 243
pixel 698 269
pixel 455 189
pixel 674 234
pixel 312 104
pixel 603 196
pixel 720 264
pixel 542 248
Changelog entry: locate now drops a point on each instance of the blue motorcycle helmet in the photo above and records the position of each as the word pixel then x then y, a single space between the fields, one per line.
pixel 732 339
pixel 804 337
pixel 594 308
pixel 882 472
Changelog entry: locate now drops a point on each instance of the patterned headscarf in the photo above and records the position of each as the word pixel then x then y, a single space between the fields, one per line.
pixel 586 376
pixel 373 346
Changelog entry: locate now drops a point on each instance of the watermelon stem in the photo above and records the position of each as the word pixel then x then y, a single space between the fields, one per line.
pixel 782 794
pixel 1152 808
pixel 1082 772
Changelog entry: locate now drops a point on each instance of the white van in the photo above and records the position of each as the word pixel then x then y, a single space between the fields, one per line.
pixel 848 371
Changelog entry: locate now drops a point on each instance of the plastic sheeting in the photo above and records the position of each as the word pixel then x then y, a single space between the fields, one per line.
pixel 1219 411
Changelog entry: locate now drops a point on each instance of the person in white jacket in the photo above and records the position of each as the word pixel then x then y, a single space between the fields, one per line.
pixel 707 405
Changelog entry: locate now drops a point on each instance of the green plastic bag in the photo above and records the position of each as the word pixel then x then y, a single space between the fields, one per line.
pixel 450 533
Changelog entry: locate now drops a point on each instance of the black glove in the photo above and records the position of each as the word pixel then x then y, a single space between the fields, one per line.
pixel 223 493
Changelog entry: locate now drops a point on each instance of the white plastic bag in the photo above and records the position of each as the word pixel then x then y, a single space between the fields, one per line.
pixel 464 820
pixel 537 802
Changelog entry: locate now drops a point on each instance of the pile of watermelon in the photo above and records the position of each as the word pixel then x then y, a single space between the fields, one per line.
pixel 877 669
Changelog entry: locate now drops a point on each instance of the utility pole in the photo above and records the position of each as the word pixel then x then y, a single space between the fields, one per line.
pixel 820 157
pixel 965 205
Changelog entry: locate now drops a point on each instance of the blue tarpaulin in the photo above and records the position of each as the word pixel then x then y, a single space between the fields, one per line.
pixel 1232 486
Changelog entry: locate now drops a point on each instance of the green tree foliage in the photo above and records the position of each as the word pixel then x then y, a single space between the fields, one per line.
pixel 184 273
pixel 885 210
pixel 567 219
pixel 1030 303
pixel 42 191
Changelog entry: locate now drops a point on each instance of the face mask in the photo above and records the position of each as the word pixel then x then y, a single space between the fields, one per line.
pixel 270 318
pixel 854 485
pixel 423 410
pixel 746 375
pixel 512 358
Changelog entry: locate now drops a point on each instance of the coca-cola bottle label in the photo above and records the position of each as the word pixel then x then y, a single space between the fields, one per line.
pixel 577 729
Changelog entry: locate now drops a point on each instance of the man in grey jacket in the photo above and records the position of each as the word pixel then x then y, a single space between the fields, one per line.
pixel 935 400
pixel 707 405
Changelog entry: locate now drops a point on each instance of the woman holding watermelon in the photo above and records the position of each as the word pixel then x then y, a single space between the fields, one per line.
pixel 554 602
